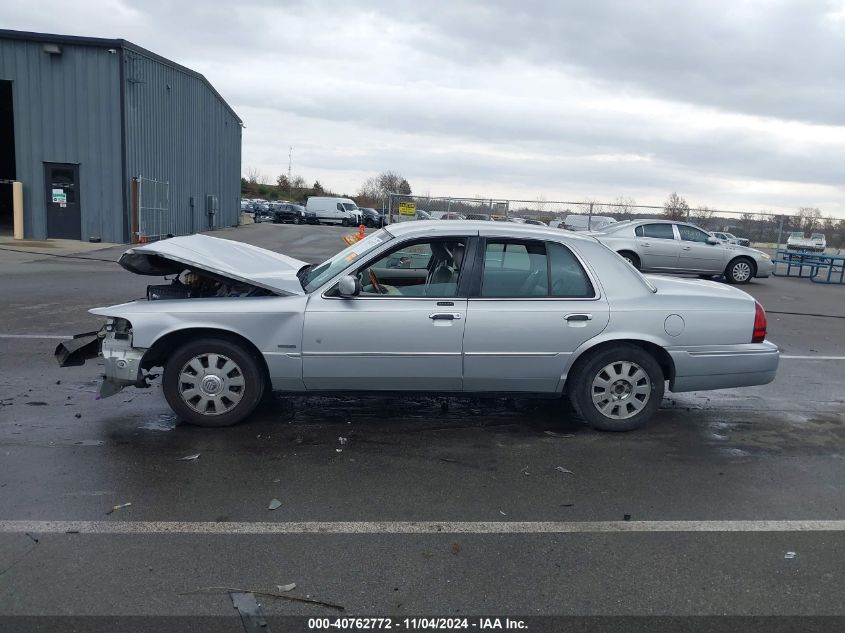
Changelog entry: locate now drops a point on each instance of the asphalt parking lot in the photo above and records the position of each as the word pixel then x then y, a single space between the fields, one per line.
pixel 426 506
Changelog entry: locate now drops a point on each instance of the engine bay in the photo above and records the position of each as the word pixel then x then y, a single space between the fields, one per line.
pixel 193 284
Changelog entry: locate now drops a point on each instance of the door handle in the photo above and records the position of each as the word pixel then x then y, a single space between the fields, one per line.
pixel 646 245
pixel 444 316
pixel 687 248
pixel 578 317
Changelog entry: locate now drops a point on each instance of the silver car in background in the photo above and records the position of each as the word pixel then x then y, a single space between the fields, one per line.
pixel 452 307
pixel 663 246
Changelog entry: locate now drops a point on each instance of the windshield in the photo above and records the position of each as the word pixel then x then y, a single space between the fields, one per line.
pixel 313 277
pixel 349 206
pixel 817 236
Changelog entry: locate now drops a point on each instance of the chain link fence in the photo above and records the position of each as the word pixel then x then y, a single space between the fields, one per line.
pixel 763 229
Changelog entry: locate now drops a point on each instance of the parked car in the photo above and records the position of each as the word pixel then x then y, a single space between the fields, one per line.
pixel 372 218
pixel 796 241
pixel 452 216
pixel 535 222
pixel 678 247
pixel 477 216
pixel 294 213
pixel 585 222
pixel 335 210
pixel 236 321
pixel 730 238
pixel 422 215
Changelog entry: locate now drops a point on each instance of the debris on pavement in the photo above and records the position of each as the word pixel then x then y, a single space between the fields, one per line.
pixel 789 555
pixel 456 549
pixel 275 504
pixel 284 588
pixel 502 513
pixel 343 441
pixel 555 434
pixel 525 472
pixel 272 594
pixel 119 506
pixel 188 458
pixel 626 517
pixel 248 608
pixel 36 403
pixel 563 470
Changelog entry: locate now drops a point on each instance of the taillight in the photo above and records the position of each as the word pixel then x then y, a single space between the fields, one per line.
pixel 759 324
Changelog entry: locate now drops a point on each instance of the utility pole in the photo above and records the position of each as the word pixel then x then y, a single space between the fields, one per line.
pixel 290 161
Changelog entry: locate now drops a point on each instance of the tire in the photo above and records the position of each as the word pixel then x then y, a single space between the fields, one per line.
pixel 631 258
pixel 344 222
pixel 740 271
pixel 298 220
pixel 224 408
pixel 369 223
pixel 627 368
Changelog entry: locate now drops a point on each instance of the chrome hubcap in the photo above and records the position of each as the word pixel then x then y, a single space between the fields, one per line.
pixel 742 271
pixel 211 384
pixel 620 390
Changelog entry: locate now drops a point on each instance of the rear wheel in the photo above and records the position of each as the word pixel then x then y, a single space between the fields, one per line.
pixel 213 382
pixel 299 220
pixel 631 258
pixel 740 271
pixel 369 223
pixel 617 388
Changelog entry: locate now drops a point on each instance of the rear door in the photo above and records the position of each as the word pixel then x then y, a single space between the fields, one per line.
pixel 533 305
pixel 657 246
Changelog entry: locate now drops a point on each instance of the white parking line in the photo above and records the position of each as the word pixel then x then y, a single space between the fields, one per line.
pixel 57 337
pixel 788 357
pixel 412 527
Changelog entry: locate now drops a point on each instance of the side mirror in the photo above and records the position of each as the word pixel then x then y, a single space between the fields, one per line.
pixel 713 240
pixel 348 286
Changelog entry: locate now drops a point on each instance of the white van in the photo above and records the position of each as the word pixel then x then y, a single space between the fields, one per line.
pixel 335 210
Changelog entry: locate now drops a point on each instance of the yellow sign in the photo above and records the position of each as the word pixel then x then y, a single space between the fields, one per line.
pixel 407 208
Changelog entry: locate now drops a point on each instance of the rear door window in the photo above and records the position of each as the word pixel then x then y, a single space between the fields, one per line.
pixel 655 231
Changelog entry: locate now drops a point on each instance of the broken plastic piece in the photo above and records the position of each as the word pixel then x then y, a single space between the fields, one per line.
pixel 789 555
pixel 563 470
pixel 118 507
pixel 342 441
pixel 284 588
pixel 275 504
pixel 188 458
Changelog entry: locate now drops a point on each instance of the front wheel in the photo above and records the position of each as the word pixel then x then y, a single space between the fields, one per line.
pixel 213 382
pixel 344 222
pixel 369 223
pixel 299 220
pixel 618 388
pixel 740 271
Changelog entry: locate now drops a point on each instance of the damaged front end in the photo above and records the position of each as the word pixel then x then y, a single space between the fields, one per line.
pixel 122 362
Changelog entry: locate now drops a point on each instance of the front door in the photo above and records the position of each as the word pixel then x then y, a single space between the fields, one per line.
pixel 403 332
pixel 535 307
pixel 696 254
pixel 64 217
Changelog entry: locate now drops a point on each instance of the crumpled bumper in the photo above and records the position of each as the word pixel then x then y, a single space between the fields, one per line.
pixel 122 362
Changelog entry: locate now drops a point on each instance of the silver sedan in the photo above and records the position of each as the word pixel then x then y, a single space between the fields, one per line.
pixel 677 247
pixel 439 307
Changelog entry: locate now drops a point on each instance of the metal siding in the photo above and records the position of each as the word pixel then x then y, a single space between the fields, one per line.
pixel 67 110
pixel 185 135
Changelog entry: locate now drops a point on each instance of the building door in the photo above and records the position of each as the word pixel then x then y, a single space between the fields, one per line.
pixel 64 217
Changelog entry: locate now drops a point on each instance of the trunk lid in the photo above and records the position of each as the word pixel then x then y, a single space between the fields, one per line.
pixel 240 262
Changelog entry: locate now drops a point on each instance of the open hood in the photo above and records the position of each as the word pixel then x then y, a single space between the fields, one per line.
pixel 234 260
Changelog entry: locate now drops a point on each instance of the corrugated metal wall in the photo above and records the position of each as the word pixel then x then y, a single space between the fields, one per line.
pixel 67 110
pixel 178 130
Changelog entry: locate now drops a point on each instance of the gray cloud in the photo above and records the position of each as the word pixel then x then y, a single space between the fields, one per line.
pixel 733 102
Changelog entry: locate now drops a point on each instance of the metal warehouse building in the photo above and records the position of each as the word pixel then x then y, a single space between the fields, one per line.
pixel 112 142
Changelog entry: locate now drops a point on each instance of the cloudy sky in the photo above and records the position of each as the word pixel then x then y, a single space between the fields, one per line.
pixel 733 104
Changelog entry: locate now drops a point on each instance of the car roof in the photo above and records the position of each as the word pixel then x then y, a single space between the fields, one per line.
pixel 481 227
